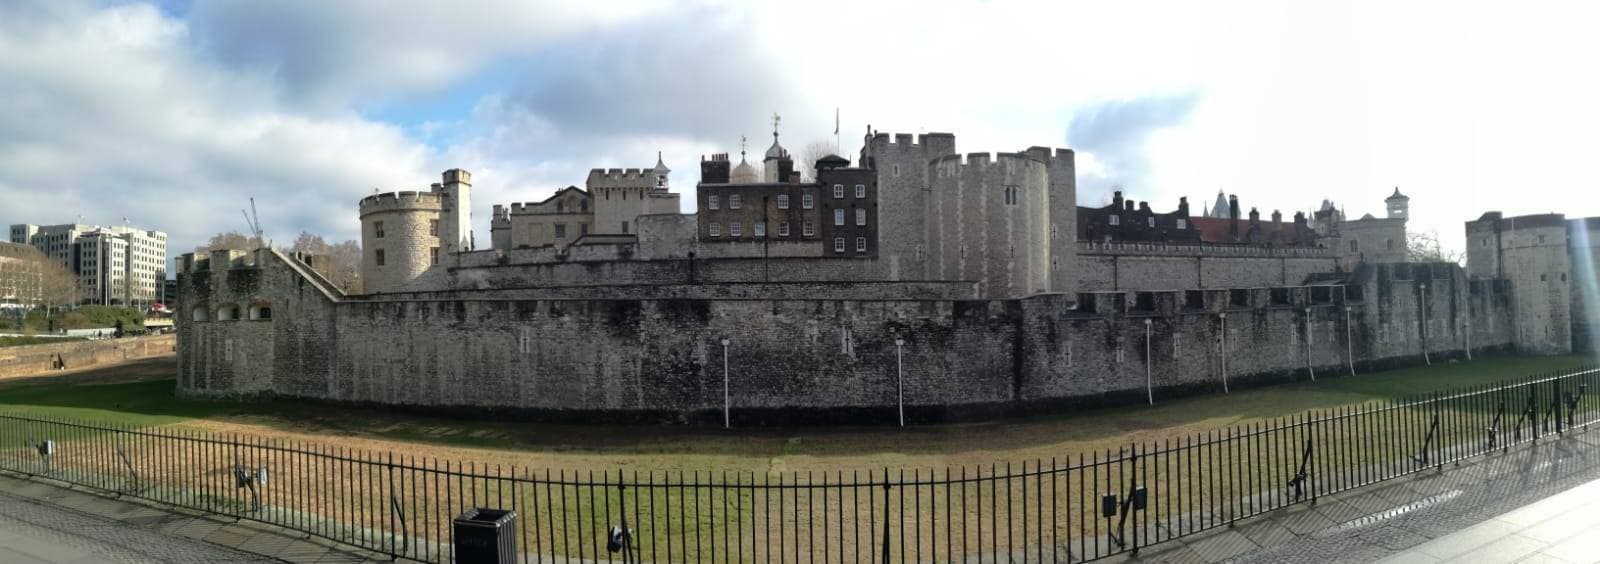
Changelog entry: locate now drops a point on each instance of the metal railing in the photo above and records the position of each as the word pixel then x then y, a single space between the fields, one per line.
pixel 1076 508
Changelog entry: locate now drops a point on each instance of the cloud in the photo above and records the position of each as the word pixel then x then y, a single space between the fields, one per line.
pixel 332 53
pixel 1113 138
pixel 107 112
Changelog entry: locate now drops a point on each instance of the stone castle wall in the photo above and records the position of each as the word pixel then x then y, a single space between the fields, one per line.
pixel 656 356
pixel 1165 266
pixel 72 355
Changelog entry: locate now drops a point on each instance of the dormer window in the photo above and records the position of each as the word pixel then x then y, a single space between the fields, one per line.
pixel 1151 220
pixel 1116 220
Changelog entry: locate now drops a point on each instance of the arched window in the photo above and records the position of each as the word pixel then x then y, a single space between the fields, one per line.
pixel 228 313
pixel 199 314
pixel 261 311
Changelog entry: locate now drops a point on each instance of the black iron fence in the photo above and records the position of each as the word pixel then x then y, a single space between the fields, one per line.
pixel 1076 508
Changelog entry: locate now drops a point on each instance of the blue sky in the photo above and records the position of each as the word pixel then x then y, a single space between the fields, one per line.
pixel 173 115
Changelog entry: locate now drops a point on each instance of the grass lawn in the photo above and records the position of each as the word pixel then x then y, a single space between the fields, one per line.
pixel 141 394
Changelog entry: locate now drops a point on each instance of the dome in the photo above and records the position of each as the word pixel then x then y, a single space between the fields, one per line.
pixel 744 174
pixel 776 151
pixel 661 167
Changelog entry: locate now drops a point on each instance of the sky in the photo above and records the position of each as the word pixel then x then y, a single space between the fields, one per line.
pixel 172 115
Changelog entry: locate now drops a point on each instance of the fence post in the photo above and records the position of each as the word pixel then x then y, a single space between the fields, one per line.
pixel 885 516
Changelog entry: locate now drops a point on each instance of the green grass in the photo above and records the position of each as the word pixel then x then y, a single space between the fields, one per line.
pixel 141 394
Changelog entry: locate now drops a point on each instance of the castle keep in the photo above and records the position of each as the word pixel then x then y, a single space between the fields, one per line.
pixel 973 282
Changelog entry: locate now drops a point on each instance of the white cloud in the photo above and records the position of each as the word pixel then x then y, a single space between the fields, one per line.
pixel 173 121
pixel 109 114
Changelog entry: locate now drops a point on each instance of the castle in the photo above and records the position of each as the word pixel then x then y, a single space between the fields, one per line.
pixel 960 285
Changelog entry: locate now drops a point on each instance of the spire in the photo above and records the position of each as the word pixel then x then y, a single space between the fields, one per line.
pixel 661 167
pixel 776 151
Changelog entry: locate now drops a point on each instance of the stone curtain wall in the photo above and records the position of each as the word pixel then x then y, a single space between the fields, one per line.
pixel 1135 266
pixel 40 359
pixel 662 357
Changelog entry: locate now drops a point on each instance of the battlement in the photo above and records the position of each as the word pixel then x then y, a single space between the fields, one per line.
pixel 951 164
pixel 909 141
pixel 402 201
pixel 621 178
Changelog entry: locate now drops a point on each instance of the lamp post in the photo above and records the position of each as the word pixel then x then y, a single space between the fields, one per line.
pixel 1223 345
pixel 1149 394
pixel 1349 350
pixel 900 377
pixel 1423 307
pixel 1309 367
pixel 726 420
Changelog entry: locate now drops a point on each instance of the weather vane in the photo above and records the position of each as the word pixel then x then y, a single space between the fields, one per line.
pixel 775 119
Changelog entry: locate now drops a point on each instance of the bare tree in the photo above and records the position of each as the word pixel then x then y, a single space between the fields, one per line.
pixel 1424 246
pixel 344 260
pixel 57 285
pixel 231 240
pixel 814 151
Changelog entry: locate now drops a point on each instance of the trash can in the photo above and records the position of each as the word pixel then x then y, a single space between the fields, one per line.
pixel 486 536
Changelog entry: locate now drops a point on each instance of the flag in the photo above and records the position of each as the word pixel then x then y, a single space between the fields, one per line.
pixel 836 121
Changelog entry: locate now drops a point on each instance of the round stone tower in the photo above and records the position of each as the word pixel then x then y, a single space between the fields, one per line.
pixel 399 237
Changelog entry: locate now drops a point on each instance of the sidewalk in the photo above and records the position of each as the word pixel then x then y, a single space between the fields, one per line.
pixel 1562 528
pixel 1535 503
pixel 44 522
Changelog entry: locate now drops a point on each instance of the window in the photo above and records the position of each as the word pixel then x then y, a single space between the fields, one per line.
pixel 561 231
pixel 379 257
pixel 761 229
pixel 711 202
pixel 783 201
pixel 714 230
pixel 1390 244
pixel 783 229
pixel 838 217
pixel 838 244
pixel 897 170
pixel 433 255
pixel 861 244
pixel 377 229
pixel 1355 246
pixel 624 227
pixel 861 190
pixel 433 227
pixel 861 216
pixel 1011 195
pixel 583 228
pixel 734 229
pixel 806 202
pixel 1484 242
pixel 838 191
pixel 1116 220
pixel 1183 223
pixel 807 229
pixel 733 201
pixel 1541 239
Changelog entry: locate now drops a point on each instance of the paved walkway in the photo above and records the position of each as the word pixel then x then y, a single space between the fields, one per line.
pixel 1535 503
pixel 1562 528
pixel 41 522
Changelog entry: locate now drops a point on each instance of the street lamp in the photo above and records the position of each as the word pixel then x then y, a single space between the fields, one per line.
pixel 900 377
pixel 726 420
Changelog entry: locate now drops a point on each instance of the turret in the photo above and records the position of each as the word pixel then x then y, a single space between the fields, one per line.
pixel 1399 205
pixel 455 222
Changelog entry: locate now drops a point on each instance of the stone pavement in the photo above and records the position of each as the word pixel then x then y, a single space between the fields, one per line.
pixel 42 522
pixel 1535 503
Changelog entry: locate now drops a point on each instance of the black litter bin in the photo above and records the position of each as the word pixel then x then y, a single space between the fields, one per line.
pixel 486 536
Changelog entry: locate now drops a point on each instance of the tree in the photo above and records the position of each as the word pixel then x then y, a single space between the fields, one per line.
pixel 231 240
pixel 344 260
pixel 57 285
pixel 1424 246
pixel 807 163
